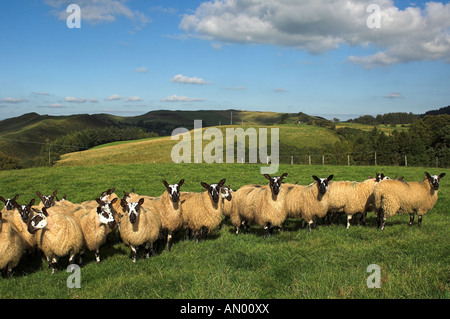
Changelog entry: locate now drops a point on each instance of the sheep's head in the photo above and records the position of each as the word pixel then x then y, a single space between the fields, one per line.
pixel 434 180
pixel 225 192
pixel 174 190
pixel 322 183
pixel 38 221
pixel 49 200
pixel 105 212
pixel 9 203
pixel 132 209
pixel 24 210
pixel 275 182
pixel 105 195
pixel 214 189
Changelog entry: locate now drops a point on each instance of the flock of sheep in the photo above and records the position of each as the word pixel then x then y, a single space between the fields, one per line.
pixel 61 228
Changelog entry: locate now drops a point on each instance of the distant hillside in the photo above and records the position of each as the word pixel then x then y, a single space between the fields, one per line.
pixel 442 110
pixel 24 136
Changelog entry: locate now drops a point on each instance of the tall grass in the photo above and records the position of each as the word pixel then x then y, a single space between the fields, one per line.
pixel 330 262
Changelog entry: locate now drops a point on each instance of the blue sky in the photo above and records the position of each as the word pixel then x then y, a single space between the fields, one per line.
pixel 131 57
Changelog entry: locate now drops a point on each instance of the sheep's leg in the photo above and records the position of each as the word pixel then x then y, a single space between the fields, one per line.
pixel 72 257
pixel 411 219
pixel 133 253
pixel 363 218
pixel 97 255
pixel 169 239
pixel 310 225
pixel 266 231
pixel 53 264
pixel 381 220
pixel 149 250
pixel 419 220
pixel 349 218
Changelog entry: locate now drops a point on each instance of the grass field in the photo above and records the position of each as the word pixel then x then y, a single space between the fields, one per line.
pixel 330 262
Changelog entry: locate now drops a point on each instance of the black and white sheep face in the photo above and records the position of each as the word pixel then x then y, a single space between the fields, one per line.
pixel 322 183
pixel 106 215
pixel 214 189
pixel 174 190
pixel 10 202
pixel 133 209
pixel 49 200
pixel 225 192
pixel 275 182
pixel 38 221
pixel 24 210
pixel 434 180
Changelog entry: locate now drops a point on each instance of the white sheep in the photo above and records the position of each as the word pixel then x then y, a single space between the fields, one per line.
pixel 140 227
pixel 307 202
pixel 96 224
pixel 399 197
pixel 12 246
pixel 263 205
pixel 202 212
pixel 57 235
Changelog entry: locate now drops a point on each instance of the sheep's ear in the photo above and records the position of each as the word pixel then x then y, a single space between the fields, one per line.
pixel 165 183
pixel 316 178
pixel 427 175
pixel 54 193
pixel 126 194
pixel 441 175
pixel 114 200
pixel 2 199
pixel 38 193
pixel 267 176
pixel 205 185
pixel 222 181
pixel 132 190
pixel 31 202
pixel 141 201
pixel 110 191
pixel 16 197
pixel 16 205
pixel 181 182
pixel 99 201
pixel 330 177
pixel 284 175
pixel 123 202
pixel 64 197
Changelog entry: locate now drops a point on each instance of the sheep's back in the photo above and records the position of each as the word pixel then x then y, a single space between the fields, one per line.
pixel 12 246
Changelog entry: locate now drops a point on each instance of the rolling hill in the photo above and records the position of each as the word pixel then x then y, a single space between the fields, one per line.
pixel 25 135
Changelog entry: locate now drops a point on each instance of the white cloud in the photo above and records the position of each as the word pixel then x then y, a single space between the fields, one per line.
pixel 133 99
pixel 176 98
pixel 12 100
pixel 99 11
pixel 93 100
pixel 72 99
pixel 180 78
pixel 141 69
pixel 412 34
pixel 113 97
pixel 394 95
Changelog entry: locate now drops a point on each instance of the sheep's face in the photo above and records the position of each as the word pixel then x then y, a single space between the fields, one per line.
pixel 133 209
pixel 38 221
pixel 47 201
pixel 105 215
pixel 10 202
pixel 174 190
pixel 214 189
pixel 434 180
pixel 25 210
pixel 322 183
pixel 275 182
pixel 225 192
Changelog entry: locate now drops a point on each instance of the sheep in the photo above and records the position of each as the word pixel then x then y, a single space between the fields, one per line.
pixel 57 235
pixel 9 203
pixel 20 222
pixel 12 246
pixel 96 224
pixel 393 196
pixel 307 202
pixel 263 205
pixel 202 212
pixel 226 194
pixel 352 198
pixel 169 208
pixel 46 201
pixel 141 227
